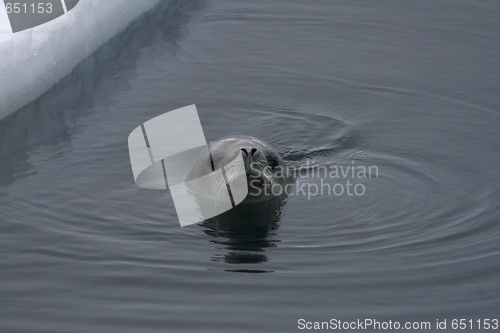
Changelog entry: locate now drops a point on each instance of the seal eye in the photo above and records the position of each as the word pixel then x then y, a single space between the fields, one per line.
pixel 273 161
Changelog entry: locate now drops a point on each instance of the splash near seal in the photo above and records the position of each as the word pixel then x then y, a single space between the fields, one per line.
pixel 26 14
pixel 162 152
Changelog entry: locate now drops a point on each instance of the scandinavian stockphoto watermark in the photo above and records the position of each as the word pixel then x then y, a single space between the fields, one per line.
pixel 330 180
pixel 164 149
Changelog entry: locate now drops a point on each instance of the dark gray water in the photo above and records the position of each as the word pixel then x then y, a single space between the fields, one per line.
pixel 408 87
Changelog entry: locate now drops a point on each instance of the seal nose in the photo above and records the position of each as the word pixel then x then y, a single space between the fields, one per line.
pixel 249 151
pixel 250 156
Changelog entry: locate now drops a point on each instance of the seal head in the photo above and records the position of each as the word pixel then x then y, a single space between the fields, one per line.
pixel 266 172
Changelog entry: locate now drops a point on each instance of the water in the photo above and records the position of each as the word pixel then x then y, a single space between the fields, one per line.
pixel 411 88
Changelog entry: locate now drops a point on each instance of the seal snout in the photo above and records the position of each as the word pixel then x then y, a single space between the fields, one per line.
pixel 249 151
pixel 251 156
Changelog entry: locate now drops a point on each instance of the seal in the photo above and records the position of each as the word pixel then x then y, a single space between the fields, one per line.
pixel 267 175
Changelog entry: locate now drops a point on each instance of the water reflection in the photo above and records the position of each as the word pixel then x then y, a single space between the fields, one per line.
pixel 246 232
